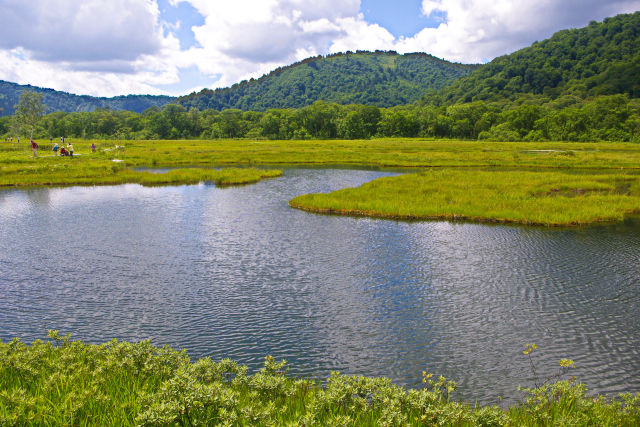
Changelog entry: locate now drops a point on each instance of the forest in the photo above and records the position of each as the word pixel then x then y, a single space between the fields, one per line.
pixel 381 78
pixel 568 118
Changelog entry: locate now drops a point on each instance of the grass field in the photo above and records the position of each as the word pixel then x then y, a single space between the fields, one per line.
pixel 62 382
pixel 528 183
pixel 549 197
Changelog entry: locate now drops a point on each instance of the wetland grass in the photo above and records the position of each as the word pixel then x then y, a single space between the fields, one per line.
pixel 550 197
pixel 63 382
pixel 98 168
pixel 527 183
pixel 388 152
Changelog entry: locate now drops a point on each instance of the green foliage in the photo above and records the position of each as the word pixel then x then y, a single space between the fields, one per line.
pixel 604 118
pixel 29 110
pixel 600 59
pixel 64 382
pixel 370 78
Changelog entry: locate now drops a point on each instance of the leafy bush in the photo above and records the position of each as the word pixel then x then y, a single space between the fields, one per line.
pixel 64 382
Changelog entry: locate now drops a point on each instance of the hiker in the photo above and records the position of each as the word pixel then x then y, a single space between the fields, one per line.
pixel 34 147
pixel 63 151
pixel 70 148
pixel 61 140
pixel 50 139
pixel 55 149
pixel 93 147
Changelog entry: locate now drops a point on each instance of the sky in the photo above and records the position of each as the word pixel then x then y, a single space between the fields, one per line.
pixel 175 47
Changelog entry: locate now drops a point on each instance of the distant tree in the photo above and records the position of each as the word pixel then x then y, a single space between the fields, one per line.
pixel 29 110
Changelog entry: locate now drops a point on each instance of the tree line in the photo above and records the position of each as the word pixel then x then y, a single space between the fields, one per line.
pixel 568 118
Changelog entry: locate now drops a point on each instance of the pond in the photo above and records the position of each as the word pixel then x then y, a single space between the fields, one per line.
pixel 234 272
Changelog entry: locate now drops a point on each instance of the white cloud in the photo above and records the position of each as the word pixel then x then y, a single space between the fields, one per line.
pixel 478 30
pixel 86 30
pixel 87 47
pixel 117 47
pixel 247 38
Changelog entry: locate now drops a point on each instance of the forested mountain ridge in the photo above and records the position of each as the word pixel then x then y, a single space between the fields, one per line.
pixel 62 101
pixel 378 78
pixel 602 58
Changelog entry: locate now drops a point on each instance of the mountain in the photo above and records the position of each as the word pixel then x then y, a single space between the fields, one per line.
pixel 372 78
pixel 63 101
pixel 600 59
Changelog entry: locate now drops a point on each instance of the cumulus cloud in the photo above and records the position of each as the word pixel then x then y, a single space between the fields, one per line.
pixel 123 46
pixel 87 46
pixel 246 38
pixel 479 30
pixel 86 30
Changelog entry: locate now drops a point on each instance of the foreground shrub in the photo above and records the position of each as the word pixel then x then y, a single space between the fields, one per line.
pixel 64 382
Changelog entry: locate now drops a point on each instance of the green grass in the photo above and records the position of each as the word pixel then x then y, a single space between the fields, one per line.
pixel 64 382
pixel 537 198
pixel 388 152
pixel 19 169
pixel 528 183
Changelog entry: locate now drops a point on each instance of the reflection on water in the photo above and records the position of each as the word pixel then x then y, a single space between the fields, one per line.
pixel 234 272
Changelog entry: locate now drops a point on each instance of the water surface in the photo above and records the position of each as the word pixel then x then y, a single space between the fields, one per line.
pixel 234 272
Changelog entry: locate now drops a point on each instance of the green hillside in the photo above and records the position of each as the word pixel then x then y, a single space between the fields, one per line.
pixel 63 101
pixel 372 78
pixel 600 59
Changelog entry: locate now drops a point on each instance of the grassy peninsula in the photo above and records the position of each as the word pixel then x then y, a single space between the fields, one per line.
pixel 64 382
pixel 507 196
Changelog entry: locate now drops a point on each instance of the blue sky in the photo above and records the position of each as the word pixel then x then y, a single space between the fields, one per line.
pixel 400 17
pixel 177 46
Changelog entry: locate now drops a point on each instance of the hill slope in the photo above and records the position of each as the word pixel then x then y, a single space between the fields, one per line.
pixel 63 101
pixel 600 59
pixel 373 78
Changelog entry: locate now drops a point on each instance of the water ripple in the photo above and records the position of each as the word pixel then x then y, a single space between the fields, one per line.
pixel 235 273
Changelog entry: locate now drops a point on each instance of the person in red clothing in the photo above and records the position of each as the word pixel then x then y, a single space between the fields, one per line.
pixel 34 147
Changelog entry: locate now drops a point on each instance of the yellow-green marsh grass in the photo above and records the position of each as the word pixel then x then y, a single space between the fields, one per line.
pixel 550 197
pixel 98 168
pixel 503 194
pixel 388 152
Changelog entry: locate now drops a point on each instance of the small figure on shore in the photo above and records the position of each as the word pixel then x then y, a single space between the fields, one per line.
pixel 34 147
pixel 18 140
pixel 93 147
pixel 55 149
pixel 50 139
pixel 70 148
